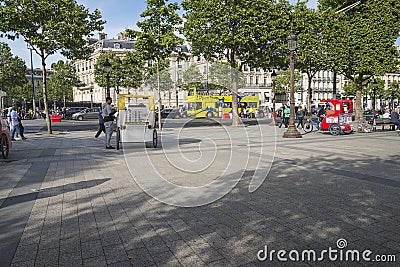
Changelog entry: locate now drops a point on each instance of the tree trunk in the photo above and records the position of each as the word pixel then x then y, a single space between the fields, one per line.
pixel 235 116
pixel 359 107
pixel 309 93
pixel 46 110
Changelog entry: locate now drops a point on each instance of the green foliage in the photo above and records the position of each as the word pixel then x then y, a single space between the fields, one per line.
pixel 282 82
pixel 360 42
pixel 221 75
pixel 192 77
pixel 48 27
pixel 156 38
pixel 126 70
pixel 62 81
pixel 166 82
pixel 394 89
pixel 310 56
pixel 12 74
pixel 245 31
pixel 251 31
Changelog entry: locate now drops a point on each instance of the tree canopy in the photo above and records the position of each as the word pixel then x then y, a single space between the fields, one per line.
pixel 243 31
pixel 13 75
pixel 62 80
pixel 48 27
pixel 360 42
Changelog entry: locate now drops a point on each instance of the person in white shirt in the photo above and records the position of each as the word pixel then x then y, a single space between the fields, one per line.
pixel 14 123
pixel 108 115
pixel 386 115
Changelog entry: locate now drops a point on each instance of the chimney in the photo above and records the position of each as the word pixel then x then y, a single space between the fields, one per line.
pixel 102 36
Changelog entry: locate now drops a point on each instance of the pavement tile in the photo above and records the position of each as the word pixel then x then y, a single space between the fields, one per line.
pixel 91 249
pixel 25 253
pixel 30 263
pixel 140 257
pixel 47 257
pixel 70 259
pixel 115 253
pixel 98 261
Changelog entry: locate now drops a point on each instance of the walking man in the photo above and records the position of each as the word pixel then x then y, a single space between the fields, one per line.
pixel 108 115
pixel 101 124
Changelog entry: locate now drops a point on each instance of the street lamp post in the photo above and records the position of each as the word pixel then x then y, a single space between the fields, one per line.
pixel 33 86
pixel 91 98
pixel 107 69
pixel 273 78
pixel 292 131
pixel 374 96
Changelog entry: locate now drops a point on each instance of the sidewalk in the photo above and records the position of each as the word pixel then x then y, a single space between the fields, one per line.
pixel 66 201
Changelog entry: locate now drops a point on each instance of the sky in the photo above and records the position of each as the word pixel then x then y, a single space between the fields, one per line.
pixel 118 15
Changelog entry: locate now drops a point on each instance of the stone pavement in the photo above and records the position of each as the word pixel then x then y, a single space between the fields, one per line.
pixel 66 201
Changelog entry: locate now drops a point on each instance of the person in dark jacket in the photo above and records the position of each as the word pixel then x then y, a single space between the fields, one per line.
pixel 300 117
pixel 394 118
pixel 102 128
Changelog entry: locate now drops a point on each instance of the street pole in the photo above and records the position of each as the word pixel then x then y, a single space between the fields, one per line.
pixel 91 98
pixel 159 96
pixel 33 86
pixel 374 97
pixel 292 131
pixel 107 68
pixel 273 78
pixel 108 85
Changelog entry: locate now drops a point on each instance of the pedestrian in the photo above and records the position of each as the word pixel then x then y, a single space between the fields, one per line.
pixel 108 116
pixel 21 127
pixel 394 118
pixel 281 115
pixel 286 114
pixel 321 114
pixel 300 117
pixel 14 123
pixel 101 124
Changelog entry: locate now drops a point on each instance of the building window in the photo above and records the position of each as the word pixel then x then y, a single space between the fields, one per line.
pixel 117 46
pixel 245 67
pixel 179 77
pixel 251 80
pixel 179 63
pixel 150 63
pixel 257 80
pixel 265 81
pixel 205 70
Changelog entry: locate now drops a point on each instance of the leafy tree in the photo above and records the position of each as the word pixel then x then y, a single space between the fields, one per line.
pixel 360 42
pixel 100 75
pixel 310 57
pixel 282 83
pixel 126 70
pixel 156 39
pixel 12 74
pixel 192 77
pixel 48 27
pixel 237 31
pixel 220 76
pixel 166 82
pixel 62 81
pixel 132 70
pixel 393 92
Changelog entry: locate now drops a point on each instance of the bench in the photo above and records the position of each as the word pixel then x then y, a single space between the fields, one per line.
pixel 383 123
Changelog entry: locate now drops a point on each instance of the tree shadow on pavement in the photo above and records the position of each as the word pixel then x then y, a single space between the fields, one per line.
pixel 305 203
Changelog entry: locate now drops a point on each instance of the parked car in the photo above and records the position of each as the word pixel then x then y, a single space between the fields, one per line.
pixel 68 113
pixel 86 114
pixel 5 139
pixel 171 113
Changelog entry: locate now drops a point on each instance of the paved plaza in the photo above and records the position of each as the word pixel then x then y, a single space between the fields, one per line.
pixel 67 201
